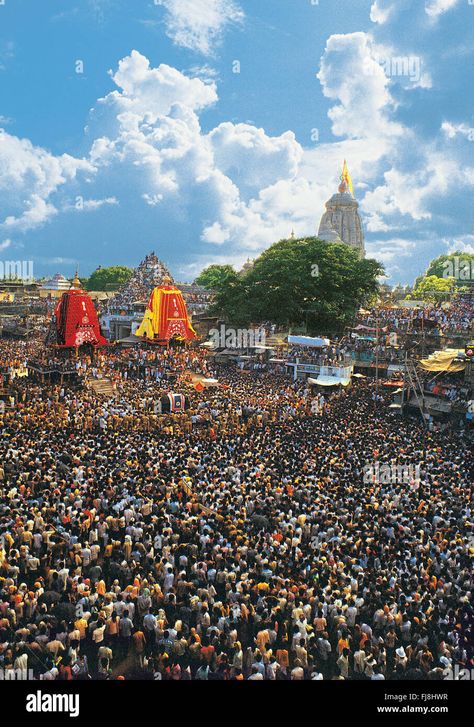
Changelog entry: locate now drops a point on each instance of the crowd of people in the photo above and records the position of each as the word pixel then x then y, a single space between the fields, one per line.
pixel 197 298
pixel 348 349
pixel 381 332
pixel 240 539
pixel 145 277
pixel 149 273
pixel 454 318
pixel 336 354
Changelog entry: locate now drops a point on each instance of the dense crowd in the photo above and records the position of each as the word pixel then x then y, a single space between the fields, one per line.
pixel 336 354
pixel 241 539
pixel 455 317
pixel 148 364
pixel 149 273
pixel 197 298
pixel 346 350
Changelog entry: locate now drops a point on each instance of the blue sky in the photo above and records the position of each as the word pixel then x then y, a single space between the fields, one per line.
pixel 208 129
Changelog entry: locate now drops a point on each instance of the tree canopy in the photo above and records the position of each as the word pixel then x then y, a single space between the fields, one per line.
pixel 299 281
pixel 215 276
pixel 443 265
pixel 432 288
pixel 108 279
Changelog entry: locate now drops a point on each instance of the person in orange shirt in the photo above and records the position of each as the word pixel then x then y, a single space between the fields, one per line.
pixel 320 623
pixel 342 644
pixel 283 659
pixel 262 639
pixel 112 629
pixel 207 652
pixel 138 645
pixel 81 625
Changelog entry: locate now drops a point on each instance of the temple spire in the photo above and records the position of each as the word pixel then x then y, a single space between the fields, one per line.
pixel 166 279
pixel 341 221
pixel 76 283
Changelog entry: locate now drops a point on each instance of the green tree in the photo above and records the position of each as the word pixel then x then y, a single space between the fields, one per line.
pixel 215 276
pixel 301 281
pixel 109 279
pixel 442 266
pixel 432 288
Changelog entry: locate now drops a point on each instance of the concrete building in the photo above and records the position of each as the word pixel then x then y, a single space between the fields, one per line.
pixel 57 282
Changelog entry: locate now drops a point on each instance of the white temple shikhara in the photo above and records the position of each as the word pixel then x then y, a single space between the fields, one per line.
pixel 341 221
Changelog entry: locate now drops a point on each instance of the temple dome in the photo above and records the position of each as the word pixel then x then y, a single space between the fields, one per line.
pixel 341 221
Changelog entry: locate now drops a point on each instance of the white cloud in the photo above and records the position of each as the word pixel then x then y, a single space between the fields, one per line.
pixel 375 223
pixel 5 244
pixel 148 93
pixel 152 199
pixel 350 73
pixel 451 130
pixel 239 187
pixel 37 212
pixel 412 193
pixel 192 270
pixel 434 8
pixel 215 234
pixel 200 24
pixel 158 89
pixel 406 69
pixel 29 175
pixel 154 141
pixel 356 72
pixel 425 81
pixel 95 204
pixel 153 136
pixel 267 217
pixel 56 260
pixel 462 244
pixel 237 147
pixel 381 11
pixel 7 52
pixel 390 252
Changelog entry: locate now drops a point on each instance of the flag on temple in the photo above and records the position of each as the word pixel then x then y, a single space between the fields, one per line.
pixel 347 178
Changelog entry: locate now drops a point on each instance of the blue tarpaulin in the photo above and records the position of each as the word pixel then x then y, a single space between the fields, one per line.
pixel 308 341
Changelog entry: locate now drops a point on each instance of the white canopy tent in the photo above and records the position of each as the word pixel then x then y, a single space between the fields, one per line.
pixel 329 381
pixel 308 341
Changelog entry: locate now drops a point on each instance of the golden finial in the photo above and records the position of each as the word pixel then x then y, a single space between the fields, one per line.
pixel 166 279
pixel 76 283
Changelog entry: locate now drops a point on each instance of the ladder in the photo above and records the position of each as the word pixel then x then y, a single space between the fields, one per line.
pixel 415 385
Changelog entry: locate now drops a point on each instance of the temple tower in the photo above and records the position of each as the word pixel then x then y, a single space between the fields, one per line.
pixel 341 221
